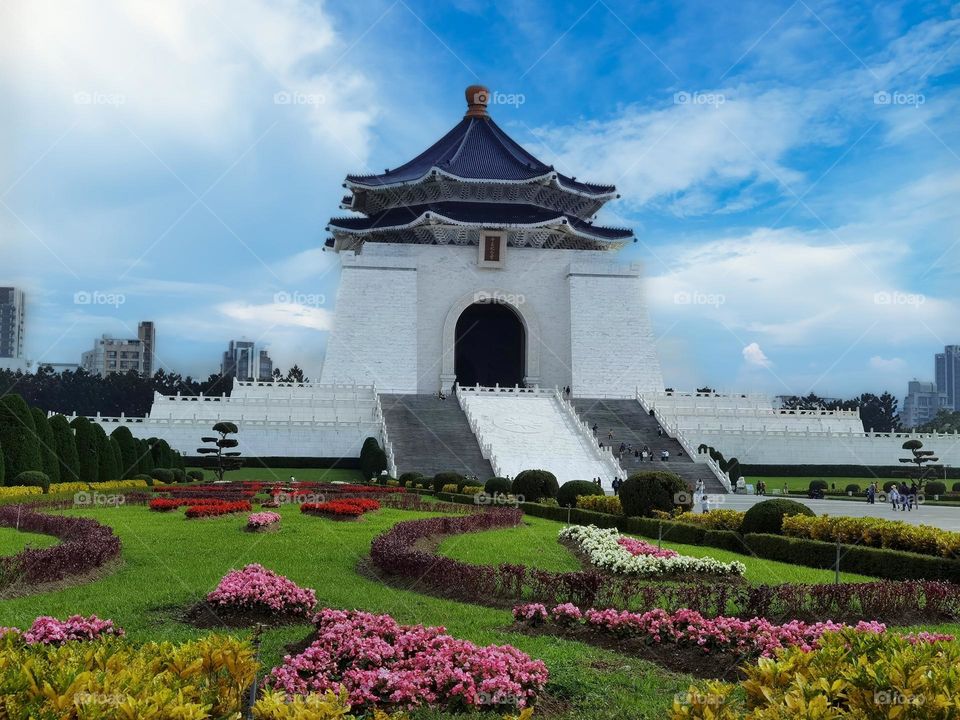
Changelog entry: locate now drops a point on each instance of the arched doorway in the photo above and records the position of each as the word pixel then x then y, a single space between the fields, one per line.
pixel 490 345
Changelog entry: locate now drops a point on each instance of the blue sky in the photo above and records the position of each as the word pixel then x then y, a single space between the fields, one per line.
pixel 792 170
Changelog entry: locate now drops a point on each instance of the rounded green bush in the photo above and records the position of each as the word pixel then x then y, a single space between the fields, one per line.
pixel 448 478
pixel 570 491
pixel 818 485
pixel 956 487
pixel 534 485
pixel 195 475
pixel 163 475
pixel 852 487
pixel 497 486
pixel 386 479
pixel 767 516
pixel 33 478
pixel 179 475
pixel 889 484
pixel 935 487
pixel 646 491
pixel 409 479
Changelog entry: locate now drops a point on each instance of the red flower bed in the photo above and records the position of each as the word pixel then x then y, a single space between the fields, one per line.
pixel 166 504
pixel 348 507
pixel 216 509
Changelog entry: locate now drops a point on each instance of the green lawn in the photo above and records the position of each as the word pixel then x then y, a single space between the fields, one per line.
pixel 12 541
pixel 535 543
pixel 283 474
pixel 775 484
pixel 170 562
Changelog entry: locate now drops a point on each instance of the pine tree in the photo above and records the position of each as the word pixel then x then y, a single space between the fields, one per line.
pixel 18 435
pixel 48 447
pixel 128 451
pixel 106 463
pixel 117 457
pixel 87 449
pixel 66 446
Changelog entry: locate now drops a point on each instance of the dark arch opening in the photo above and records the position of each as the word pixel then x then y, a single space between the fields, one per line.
pixel 490 346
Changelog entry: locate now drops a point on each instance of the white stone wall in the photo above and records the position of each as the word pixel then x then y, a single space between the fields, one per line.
pixel 612 343
pixel 567 337
pixel 374 336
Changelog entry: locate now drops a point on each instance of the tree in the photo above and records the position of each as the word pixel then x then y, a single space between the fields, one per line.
pixel 923 459
pixel 18 435
pixel 106 461
pixel 295 374
pixel 225 460
pixel 66 446
pixel 2 471
pixel 879 413
pixel 48 447
pixel 117 457
pixel 944 422
pixel 87 449
pixel 145 457
pixel 128 451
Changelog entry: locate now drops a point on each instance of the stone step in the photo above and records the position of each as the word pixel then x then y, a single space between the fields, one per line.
pixel 630 424
pixel 430 435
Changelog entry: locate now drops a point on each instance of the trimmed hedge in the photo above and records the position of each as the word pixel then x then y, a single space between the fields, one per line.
pixel 373 460
pixel 852 487
pixel 18 436
pixel 649 490
pixel 569 492
pixel 409 479
pixel 448 478
pixel 163 475
pixel 818 485
pixel 49 463
pixel 497 486
pixel 195 475
pixel 935 487
pixel 33 478
pixel 534 485
pixel 864 471
pixel 767 516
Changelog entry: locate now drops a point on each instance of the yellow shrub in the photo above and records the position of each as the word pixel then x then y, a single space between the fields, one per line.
pixel 274 705
pixel 472 490
pixel 713 520
pixel 874 532
pixel 69 487
pixel 120 484
pixel 851 675
pixel 206 678
pixel 600 503
pixel 451 488
pixel 17 490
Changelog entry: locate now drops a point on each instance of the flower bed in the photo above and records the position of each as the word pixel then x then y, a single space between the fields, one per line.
pixel 604 550
pixel 639 547
pixel 875 532
pixel 84 545
pixel 262 520
pixel 216 509
pixel 687 627
pixel 349 508
pixel 256 590
pixel 721 519
pixel 851 674
pixel 382 663
pixel 48 630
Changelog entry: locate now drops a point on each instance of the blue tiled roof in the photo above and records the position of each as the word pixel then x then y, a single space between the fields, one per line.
pixel 477 149
pixel 489 214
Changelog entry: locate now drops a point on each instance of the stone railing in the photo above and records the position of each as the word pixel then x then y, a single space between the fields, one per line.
pixel 240 421
pixel 605 455
pixel 486 449
pixel 671 429
pixel 384 438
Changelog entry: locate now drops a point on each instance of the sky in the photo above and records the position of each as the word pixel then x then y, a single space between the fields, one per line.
pixel 791 170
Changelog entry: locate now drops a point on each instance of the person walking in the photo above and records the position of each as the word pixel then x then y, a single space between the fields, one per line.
pixel 871 493
pixel 617 482
pixel 594 429
pixel 894 496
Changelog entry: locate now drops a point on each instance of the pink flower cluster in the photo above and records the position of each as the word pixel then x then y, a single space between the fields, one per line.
pixel 259 520
pixel 639 547
pixel 688 627
pixel 382 663
pixel 50 631
pixel 927 637
pixel 258 589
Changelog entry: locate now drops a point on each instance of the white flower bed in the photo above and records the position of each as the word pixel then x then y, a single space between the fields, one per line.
pixel 603 550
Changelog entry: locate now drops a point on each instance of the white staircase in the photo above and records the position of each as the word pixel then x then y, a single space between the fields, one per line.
pixel 529 428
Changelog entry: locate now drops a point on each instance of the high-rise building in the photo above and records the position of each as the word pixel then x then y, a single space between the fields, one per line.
pixel 11 323
pixel 922 403
pixel 242 361
pixel 947 367
pixel 112 355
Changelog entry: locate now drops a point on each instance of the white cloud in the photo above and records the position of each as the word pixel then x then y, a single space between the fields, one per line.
pixel 261 319
pixel 882 364
pixel 755 356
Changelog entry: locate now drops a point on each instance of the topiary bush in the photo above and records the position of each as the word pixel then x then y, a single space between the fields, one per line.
pixel 535 485
pixel 409 479
pixel 179 475
pixel 373 460
pixel 646 491
pixel 448 478
pixel 852 487
pixel 767 516
pixel 889 484
pixel 818 485
pixel 196 475
pixel 143 476
pixel 18 436
pixel 33 478
pixel 570 491
pixel 497 486
pixel 383 479
pixel 956 487
pixel 935 487
pixel 163 475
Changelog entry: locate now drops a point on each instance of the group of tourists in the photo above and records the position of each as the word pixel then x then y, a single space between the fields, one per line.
pixel 642 452
pixel 901 497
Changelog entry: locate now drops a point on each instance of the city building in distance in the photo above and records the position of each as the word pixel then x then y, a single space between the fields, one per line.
pixel 11 328
pixel 922 403
pixel 242 361
pixel 947 365
pixel 111 355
